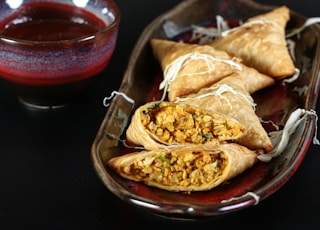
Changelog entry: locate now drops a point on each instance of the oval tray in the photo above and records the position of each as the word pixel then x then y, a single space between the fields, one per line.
pixel 140 82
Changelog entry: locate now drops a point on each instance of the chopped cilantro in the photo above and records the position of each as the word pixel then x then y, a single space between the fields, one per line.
pixel 207 136
pixel 163 158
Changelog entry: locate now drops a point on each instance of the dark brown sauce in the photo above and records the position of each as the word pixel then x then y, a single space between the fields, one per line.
pixel 45 21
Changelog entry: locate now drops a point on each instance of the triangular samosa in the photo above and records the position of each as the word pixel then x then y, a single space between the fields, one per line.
pixel 261 43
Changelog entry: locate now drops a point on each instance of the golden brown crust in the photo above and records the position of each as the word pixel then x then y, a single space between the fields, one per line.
pixel 261 43
pixel 254 80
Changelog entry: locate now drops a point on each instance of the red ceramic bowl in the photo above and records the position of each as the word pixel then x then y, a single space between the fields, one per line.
pixel 51 49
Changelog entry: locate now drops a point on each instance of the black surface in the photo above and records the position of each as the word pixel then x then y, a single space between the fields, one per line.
pixel 48 180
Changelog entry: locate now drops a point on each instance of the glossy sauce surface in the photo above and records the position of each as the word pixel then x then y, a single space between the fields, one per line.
pixel 50 22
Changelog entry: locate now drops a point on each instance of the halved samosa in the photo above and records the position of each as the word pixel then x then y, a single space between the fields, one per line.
pixel 161 124
pixel 260 42
pixel 229 96
pixel 186 169
pixel 190 67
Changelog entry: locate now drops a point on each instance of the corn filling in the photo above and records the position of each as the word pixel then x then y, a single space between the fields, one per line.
pixel 185 168
pixel 186 124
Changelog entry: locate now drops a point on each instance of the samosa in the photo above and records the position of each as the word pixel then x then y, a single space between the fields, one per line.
pixel 261 43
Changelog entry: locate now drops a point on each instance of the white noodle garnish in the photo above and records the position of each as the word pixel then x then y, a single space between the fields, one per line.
pixel 222 25
pixel 302 91
pixel 207 34
pixel 292 78
pixel 218 90
pixel 291 47
pixel 127 98
pixel 171 71
pixel 261 21
pixel 252 194
pixel 307 23
pixel 280 139
pixel 270 122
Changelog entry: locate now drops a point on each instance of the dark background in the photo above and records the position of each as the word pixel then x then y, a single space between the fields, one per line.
pixel 47 180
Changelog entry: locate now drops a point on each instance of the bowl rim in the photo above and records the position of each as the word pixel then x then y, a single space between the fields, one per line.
pixel 114 24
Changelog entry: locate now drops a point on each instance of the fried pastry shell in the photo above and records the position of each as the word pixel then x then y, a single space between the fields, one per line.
pixel 261 43
pixel 185 168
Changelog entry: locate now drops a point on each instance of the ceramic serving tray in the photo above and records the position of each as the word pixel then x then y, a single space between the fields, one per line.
pixel 141 84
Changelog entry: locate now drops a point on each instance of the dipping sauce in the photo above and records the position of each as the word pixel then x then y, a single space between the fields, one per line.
pixel 47 21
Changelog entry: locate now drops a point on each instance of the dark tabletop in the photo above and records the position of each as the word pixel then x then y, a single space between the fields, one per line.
pixel 48 180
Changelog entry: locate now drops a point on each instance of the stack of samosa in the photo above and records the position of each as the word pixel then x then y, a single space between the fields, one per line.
pixel 204 131
pixel 190 67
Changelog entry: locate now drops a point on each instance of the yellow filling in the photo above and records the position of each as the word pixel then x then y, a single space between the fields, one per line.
pixel 173 123
pixel 184 168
